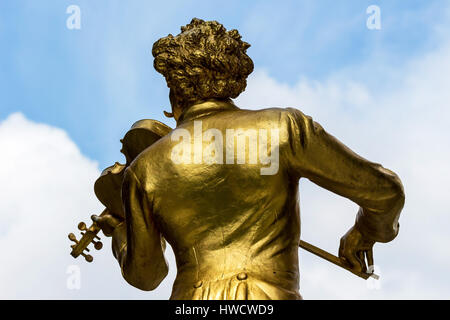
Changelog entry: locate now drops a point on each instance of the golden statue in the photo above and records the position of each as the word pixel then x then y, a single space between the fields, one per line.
pixel 222 187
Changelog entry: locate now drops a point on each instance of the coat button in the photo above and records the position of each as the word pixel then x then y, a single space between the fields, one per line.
pixel 242 276
pixel 198 284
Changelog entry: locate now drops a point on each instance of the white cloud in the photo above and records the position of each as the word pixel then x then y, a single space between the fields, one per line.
pixel 46 189
pixel 401 124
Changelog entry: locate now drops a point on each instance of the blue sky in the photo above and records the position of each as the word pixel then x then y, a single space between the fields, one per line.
pixel 68 96
pixel 95 82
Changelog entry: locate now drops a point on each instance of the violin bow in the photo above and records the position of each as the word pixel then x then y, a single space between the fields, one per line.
pixel 335 260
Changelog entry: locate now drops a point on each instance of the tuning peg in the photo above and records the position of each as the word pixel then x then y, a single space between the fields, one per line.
pixel 72 238
pixel 82 226
pixel 88 257
pixel 97 244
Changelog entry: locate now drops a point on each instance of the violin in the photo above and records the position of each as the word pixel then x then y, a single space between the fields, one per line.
pixel 108 187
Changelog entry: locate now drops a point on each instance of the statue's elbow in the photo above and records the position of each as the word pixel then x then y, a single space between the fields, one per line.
pixel 146 281
pixel 397 193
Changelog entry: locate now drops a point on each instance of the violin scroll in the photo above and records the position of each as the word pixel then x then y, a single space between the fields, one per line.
pixel 89 235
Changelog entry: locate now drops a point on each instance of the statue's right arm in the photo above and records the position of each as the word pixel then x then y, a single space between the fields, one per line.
pixel 137 243
pixel 318 156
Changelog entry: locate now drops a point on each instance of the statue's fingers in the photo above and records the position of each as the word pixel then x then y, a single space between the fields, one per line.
pixel 103 223
pixel 362 260
pixel 369 254
pixel 352 260
pixel 112 221
pixel 97 219
pixel 105 220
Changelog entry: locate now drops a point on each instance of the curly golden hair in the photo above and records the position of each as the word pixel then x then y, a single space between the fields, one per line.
pixel 205 61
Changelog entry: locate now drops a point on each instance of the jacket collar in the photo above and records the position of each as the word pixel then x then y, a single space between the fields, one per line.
pixel 206 108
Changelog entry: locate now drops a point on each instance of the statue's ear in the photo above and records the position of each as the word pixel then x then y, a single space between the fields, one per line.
pixel 168 114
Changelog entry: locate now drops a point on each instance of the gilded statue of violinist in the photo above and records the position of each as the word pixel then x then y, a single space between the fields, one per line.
pixel 235 232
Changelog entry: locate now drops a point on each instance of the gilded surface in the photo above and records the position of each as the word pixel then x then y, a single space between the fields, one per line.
pixel 235 232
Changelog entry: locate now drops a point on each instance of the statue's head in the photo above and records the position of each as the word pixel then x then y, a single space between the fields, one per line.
pixel 204 61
